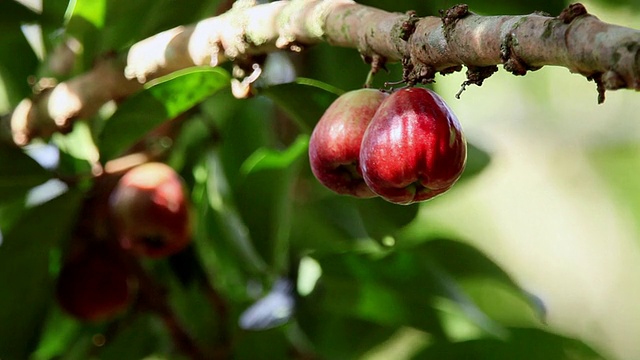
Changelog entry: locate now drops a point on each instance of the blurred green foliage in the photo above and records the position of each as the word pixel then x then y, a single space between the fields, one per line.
pixel 259 216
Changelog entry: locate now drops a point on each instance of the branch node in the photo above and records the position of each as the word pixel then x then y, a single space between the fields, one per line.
pixel 600 86
pixel 418 73
pixel 451 16
pixel 512 62
pixel 408 27
pixel 476 76
pixel 451 70
pixel 289 43
pixel 377 62
pixel 571 12
pixel 242 89
pixel 214 52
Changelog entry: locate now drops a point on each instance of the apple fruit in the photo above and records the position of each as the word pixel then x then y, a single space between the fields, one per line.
pixel 150 211
pixel 334 147
pixel 94 284
pixel 414 148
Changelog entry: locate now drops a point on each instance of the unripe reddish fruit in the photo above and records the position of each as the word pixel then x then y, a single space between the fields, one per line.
pixel 94 284
pixel 150 211
pixel 334 147
pixel 414 148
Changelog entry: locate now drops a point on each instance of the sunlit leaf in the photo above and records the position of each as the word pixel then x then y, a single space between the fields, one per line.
pixel 92 11
pixel 78 143
pixel 161 102
pixel 265 158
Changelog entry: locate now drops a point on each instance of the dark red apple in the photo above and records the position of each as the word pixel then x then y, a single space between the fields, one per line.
pixel 151 211
pixel 414 148
pixel 94 284
pixel 334 147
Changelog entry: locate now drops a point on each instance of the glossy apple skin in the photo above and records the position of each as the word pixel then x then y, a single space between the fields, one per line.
pixel 151 212
pixel 414 148
pixel 94 285
pixel 334 147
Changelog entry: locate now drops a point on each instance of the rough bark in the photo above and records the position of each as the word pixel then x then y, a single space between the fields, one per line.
pixel 608 54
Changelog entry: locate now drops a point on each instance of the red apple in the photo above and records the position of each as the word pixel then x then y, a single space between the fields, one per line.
pixel 334 147
pixel 150 211
pixel 94 284
pixel 414 148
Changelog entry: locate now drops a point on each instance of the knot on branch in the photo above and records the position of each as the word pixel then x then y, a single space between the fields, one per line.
pixel 476 76
pixel 408 27
pixel 600 87
pixel 571 12
pixel 376 62
pixel 512 62
pixel 418 73
pixel 451 16
pixel 245 72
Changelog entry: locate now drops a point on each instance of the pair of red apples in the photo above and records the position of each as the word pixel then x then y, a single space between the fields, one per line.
pixel 150 213
pixel 405 147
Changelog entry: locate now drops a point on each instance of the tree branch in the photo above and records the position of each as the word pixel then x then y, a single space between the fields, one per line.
pixel 608 54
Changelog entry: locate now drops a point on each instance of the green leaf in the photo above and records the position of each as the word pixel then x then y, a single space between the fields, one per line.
pixel 458 267
pixel 13 14
pixel 269 344
pixel 18 173
pixel 78 143
pixel 84 21
pixel 340 336
pixel 60 332
pixel 265 158
pixel 406 287
pixel 124 24
pixel 10 213
pixel 222 239
pixel 93 11
pixel 383 219
pixel 477 160
pixel 24 271
pixel 326 226
pixel 522 344
pixel 261 198
pixel 164 100
pixel 20 62
pixel 305 100
pixel 138 339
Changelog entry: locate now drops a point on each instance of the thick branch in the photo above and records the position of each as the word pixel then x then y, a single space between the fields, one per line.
pixel 580 42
